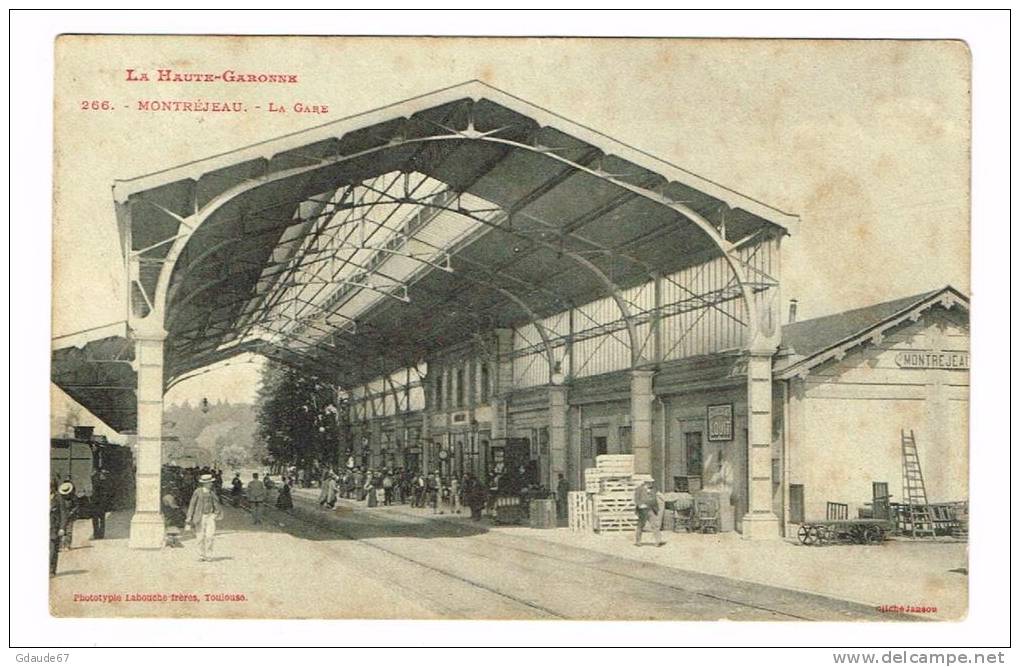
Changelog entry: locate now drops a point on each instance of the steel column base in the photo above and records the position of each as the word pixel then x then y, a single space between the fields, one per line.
pixel 760 527
pixel 147 531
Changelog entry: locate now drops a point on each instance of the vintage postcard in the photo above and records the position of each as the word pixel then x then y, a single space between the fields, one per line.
pixel 510 328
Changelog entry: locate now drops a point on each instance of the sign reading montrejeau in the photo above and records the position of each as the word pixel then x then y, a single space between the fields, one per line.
pixel 955 361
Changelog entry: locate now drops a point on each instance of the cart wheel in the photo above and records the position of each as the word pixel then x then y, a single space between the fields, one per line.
pixel 859 534
pixel 807 535
pixel 873 535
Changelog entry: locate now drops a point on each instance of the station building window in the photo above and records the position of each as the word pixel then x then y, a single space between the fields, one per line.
pixel 485 384
pixel 460 387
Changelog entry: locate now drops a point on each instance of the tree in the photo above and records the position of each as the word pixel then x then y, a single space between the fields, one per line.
pixel 297 418
pixel 225 426
pixel 231 453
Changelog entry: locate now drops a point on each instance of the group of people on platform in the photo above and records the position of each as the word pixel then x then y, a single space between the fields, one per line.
pixel 178 489
pixel 192 498
pixel 376 487
pixel 204 490
pixel 256 493
pixel 396 486
pixel 439 492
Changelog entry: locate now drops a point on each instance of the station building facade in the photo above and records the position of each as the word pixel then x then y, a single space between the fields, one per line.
pixel 844 386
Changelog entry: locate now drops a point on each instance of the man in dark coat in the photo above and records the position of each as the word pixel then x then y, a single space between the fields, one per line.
pixel 99 503
pixel 69 508
pixel 257 496
pixel 359 484
pixel 57 521
pixel 474 495
pixel 236 490
pixel 562 489
pixel 646 504
pixel 420 488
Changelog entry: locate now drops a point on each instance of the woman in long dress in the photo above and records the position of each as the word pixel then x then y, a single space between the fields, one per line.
pixel 327 496
pixel 174 517
pixel 370 493
pixel 283 500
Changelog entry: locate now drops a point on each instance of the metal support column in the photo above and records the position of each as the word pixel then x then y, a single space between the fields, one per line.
pixel 656 321
pixel 641 419
pixel 558 442
pixel 760 522
pixel 504 365
pixel 147 529
pixel 425 434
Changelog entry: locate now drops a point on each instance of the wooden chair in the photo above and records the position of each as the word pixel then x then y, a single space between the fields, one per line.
pixel 682 507
pixel 706 514
pixel 880 501
pixel 836 511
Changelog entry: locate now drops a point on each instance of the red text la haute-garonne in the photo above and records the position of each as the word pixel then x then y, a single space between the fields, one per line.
pixel 226 76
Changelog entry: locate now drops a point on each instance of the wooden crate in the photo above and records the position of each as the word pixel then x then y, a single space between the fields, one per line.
pixel 591 479
pixel 617 485
pixel 616 470
pixel 613 502
pixel 617 522
pixel 615 464
pixel 579 512
pixel 614 458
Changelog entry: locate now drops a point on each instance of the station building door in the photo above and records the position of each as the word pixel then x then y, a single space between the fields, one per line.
pixel 690 464
pixel 412 460
pixel 516 455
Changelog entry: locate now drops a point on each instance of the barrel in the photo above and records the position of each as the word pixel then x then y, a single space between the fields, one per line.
pixel 542 513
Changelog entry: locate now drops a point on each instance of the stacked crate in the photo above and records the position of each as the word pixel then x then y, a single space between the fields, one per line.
pixel 613 500
pixel 579 512
pixel 615 465
pixel 591 480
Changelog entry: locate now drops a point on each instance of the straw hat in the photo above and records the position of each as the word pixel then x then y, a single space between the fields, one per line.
pixel 205 479
pixel 65 489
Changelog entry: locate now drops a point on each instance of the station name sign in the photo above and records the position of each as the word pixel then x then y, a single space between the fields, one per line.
pixel 952 361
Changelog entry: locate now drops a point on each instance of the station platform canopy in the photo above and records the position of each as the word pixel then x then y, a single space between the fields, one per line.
pixel 359 247
pixel 95 368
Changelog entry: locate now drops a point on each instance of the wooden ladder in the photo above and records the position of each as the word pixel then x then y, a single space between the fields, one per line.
pixel 919 515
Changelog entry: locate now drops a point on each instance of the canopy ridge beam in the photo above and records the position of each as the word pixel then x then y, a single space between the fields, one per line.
pixel 319 227
pixel 348 260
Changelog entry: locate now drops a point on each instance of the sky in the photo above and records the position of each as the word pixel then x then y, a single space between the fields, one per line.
pixel 868 142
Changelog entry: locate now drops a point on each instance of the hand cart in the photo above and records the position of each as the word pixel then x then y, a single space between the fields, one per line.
pixel 844 531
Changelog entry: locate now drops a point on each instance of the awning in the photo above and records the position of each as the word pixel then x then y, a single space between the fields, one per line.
pixel 95 369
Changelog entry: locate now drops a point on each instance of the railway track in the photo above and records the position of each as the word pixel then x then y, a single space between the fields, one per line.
pixel 329 525
pixel 603 565
pixel 616 573
pixel 855 611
